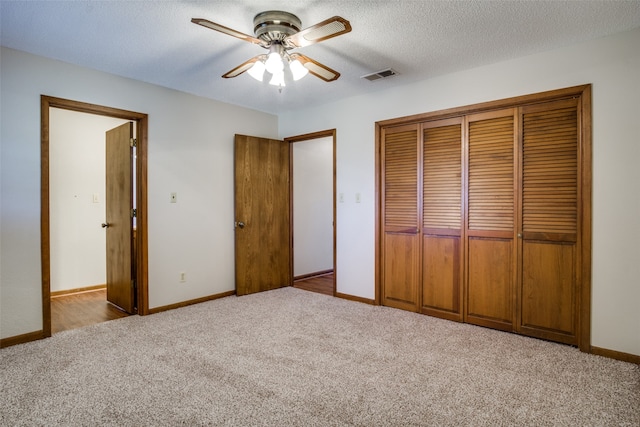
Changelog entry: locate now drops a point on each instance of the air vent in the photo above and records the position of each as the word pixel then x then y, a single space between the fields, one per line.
pixel 380 74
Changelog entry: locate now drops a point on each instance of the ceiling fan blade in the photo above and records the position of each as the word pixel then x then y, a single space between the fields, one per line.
pixel 226 30
pixel 243 67
pixel 317 69
pixel 322 31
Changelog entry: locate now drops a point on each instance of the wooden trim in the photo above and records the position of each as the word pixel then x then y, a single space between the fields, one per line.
pixel 47 102
pixel 335 213
pixel 21 339
pixel 291 218
pixel 78 290
pixel 45 252
pixel 487 106
pixel 305 137
pixel 310 275
pixel 142 206
pixel 584 328
pixel 191 302
pixel 313 135
pixel 356 299
pixel 379 231
pixel 618 355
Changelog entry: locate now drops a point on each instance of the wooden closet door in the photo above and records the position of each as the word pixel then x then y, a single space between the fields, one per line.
pixel 490 223
pixel 549 300
pixel 442 219
pixel 400 213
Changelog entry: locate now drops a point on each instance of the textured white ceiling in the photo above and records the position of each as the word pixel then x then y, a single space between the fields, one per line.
pixel 154 41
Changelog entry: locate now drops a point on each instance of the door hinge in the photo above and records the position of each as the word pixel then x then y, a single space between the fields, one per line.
pixel 133 284
pixel 133 142
pixel 134 213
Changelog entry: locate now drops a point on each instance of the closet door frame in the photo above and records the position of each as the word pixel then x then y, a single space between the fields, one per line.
pixel 583 93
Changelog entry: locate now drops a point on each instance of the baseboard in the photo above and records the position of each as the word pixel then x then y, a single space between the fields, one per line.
pixel 77 290
pixel 190 302
pixel 354 298
pixel 310 275
pixel 21 339
pixel 618 355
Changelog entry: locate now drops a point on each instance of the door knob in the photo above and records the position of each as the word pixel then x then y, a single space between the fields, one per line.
pixel 240 224
pixel 105 225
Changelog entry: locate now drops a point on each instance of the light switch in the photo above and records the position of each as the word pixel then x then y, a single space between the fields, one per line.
pixel 96 198
pixel 341 197
pixel 174 198
pixel 357 197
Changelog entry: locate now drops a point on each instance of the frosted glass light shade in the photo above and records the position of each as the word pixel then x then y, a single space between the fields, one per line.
pixel 257 71
pixel 298 70
pixel 274 63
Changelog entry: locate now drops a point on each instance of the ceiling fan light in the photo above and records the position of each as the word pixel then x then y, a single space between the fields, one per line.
pixel 278 79
pixel 298 70
pixel 274 63
pixel 257 70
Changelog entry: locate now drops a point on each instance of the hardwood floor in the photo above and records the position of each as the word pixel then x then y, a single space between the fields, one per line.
pixel 320 284
pixel 87 308
pixel 82 309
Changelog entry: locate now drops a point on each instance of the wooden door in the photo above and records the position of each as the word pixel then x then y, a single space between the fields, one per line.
pixel 118 225
pixel 262 214
pixel 550 221
pixel 490 228
pixel 442 218
pixel 400 213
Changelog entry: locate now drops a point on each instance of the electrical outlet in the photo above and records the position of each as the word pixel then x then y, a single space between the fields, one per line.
pixel 183 277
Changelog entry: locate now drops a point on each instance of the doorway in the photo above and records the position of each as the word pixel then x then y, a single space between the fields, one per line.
pixel 313 211
pixel 139 260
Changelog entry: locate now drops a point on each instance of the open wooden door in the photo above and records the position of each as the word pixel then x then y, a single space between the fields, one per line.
pixel 119 224
pixel 262 214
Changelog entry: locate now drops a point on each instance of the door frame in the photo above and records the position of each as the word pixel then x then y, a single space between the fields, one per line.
pixel 141 242
pixel 300 138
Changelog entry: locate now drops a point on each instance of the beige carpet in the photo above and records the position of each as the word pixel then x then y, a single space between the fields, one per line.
pixel 294 358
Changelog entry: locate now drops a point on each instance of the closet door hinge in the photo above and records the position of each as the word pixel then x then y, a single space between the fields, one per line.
pixel 133 142
pixel 134 213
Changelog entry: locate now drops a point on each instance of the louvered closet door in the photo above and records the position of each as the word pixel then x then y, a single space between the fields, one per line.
pixel 442 218
pixel 400 213
pixel 550 221
pixel 490 228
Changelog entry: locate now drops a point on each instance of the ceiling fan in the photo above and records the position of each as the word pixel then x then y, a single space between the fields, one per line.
pixel 279 32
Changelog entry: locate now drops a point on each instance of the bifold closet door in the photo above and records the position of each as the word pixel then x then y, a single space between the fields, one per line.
pixel 400 213
pixel 441 293
pixel 549 299
pixel 490 224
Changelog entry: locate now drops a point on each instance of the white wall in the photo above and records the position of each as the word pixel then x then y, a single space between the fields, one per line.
pixel 190 153
pixel 76 174
pixel 312 206
pixel 611 64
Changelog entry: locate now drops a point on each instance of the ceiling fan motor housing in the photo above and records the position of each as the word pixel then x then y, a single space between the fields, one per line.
pixel 275 25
